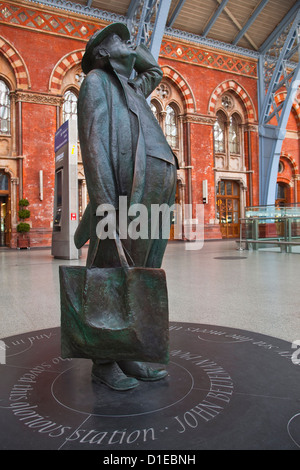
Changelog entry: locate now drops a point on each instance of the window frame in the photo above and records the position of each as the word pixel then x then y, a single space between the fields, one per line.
pixel 74 92
pixel 237 151
pixel 6 107
pixel 166 94
pixel 218 129
pixel 171 105
pixel 227 116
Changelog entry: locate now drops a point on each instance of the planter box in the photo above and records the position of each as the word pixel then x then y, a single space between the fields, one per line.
pixel 23 241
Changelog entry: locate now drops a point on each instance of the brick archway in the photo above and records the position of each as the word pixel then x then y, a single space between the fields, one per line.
pixel 291 162
pixel 231 85
pixel 281 96
pixel 62 67
pixel 289 176
pixel 17 63
pixel 183 86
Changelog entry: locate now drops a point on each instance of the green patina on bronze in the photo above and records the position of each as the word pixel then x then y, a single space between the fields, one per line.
pixel 111 310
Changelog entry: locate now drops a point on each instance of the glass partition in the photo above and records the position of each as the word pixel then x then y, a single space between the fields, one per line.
pixel 272 223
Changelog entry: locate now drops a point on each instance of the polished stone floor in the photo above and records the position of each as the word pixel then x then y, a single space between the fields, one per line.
pixel 216 285
pixel 232 384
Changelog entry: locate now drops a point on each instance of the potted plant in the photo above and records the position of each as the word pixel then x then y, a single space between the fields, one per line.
pixel 23 227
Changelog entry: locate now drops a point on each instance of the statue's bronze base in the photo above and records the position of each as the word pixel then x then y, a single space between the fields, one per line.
pixel 224 389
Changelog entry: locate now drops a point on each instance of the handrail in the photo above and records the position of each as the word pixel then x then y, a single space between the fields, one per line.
pixel 269 210
pixel 264 217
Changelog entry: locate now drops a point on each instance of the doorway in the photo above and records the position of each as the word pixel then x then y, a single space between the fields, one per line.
pixel 228 208
pixel 176 216
pixel 4 226
pixel 282 194
pixel 5 218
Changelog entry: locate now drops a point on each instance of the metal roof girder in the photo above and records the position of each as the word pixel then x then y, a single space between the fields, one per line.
pixel 147 10
pixel 270 143
pixel 280 28
pixel 136 19
pixel 132 8
pixel 288 45
pixel 159 27
pixel 176 13
pixel 214 17
pixel 290 97
pixel 251 20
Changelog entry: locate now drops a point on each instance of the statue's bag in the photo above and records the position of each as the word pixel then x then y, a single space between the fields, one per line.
pixel 114 313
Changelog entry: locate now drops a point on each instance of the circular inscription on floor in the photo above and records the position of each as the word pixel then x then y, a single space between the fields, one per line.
pixel 225 389
pixel 81 398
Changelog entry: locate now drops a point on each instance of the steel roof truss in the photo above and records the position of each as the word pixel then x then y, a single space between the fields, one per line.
pixel 289 47
pixel 251 20
pixel 176 13
pixel 146 20
pixel 214 17
pixel 276 74
pixel 280 28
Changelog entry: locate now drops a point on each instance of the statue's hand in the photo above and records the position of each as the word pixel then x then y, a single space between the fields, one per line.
pixel 144 59
pixel 149 72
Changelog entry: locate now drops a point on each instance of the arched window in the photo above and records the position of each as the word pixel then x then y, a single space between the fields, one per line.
pixel 171 129
pixel 234 134
pixel 4 108
pixel 168 108
pixel 154 110
pixel 3 182
pixel 227 129
pixel 219 133
pixel 69 109
pixel 168 119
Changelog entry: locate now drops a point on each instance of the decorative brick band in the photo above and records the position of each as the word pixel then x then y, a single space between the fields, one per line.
pixel 17 63
pixel 183 86
pixel 37 18
pixel 62 67
pixel 231 85
pixel 213 59
pixel 37 98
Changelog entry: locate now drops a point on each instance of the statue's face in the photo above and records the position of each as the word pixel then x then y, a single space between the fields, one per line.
pixel 118 48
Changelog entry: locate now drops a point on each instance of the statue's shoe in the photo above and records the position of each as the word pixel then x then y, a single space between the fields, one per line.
pixel 142 371
pixel 111 375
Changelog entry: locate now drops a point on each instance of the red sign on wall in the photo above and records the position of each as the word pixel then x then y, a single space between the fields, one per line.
pixel 73 215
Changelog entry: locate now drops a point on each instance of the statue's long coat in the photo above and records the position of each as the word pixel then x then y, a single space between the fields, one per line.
pixel 115 135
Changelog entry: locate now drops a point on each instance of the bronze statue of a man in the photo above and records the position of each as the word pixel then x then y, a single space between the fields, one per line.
pixel 124 153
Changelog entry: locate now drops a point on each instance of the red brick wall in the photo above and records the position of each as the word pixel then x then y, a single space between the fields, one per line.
pixel 40 52
pixel 202 70
pixel 38 150
pixel 203 81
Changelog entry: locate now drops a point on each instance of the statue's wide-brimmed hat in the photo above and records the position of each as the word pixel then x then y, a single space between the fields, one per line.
pixel 115 28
